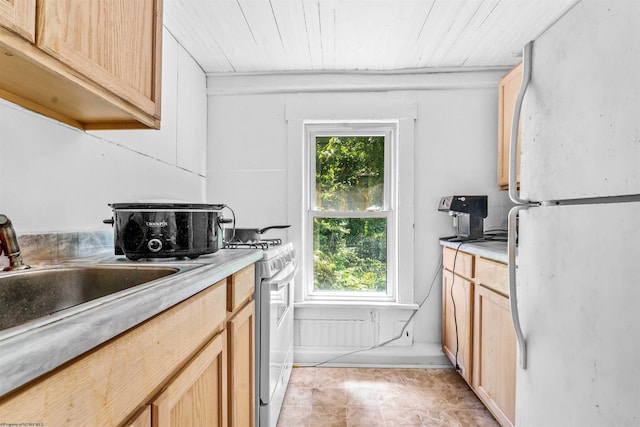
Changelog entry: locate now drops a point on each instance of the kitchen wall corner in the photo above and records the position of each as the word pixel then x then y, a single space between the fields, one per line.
pixel 57 181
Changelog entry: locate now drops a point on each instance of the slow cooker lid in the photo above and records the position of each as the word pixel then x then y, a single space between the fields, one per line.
pixel 167 206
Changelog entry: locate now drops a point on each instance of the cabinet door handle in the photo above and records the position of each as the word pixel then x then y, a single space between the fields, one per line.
pixel 513 293
pixel 515 125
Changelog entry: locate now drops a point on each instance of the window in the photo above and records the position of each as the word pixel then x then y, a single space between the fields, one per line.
pixel 351 211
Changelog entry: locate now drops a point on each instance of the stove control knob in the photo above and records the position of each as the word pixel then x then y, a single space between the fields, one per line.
pixel 154 245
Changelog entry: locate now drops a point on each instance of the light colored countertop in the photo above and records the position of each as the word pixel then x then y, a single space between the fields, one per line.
pixel 491 249
pixel 31 350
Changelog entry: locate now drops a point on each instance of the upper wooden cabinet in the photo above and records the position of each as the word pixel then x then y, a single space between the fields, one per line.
pixel 95 64
pixel 508 89
pixel 19 16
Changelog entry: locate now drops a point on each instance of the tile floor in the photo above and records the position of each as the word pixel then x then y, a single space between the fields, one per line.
pixel 368 397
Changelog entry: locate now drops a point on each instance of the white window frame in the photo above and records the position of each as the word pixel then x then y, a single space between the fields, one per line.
pixel 389 130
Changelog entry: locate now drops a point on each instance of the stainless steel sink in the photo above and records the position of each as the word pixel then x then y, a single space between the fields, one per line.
pixel 31 294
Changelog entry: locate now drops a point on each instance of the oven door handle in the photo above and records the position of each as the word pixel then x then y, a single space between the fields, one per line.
pixel 283 277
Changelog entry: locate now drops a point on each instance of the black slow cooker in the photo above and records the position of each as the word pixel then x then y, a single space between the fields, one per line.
pixel 161 230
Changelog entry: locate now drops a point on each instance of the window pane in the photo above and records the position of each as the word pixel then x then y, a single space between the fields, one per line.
pixel 350 254
pixel 349 173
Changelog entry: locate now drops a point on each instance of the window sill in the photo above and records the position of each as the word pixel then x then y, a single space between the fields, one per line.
pixel 356 304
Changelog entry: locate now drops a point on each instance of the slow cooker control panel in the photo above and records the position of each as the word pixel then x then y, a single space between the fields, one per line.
pixel 154 245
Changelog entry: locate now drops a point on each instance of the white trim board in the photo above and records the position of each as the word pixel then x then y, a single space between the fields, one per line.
pixel 419 355
pixel 242 84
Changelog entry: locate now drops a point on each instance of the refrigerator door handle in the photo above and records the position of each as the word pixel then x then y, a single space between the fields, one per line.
pixel 515 125
pixel 513 294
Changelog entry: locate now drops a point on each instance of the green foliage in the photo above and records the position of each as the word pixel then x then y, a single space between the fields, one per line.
pixel 349 172
pixel 350 254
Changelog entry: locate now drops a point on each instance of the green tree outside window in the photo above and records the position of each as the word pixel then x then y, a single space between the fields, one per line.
pixel 350 254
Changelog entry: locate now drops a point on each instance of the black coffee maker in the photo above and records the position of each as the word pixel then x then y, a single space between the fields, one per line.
pixel 468 214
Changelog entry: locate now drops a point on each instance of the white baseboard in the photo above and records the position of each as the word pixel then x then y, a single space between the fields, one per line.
pixel 419 355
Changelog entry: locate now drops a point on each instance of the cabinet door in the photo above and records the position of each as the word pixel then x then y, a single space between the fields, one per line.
pixel 494 365
pixel 19 16
pixel 141 419
pixel 507 93
pixel 116 43
pixel 242 367
pixel 197 396
pixel 457 315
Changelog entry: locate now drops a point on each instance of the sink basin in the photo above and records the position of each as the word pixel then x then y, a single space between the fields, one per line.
pixel 31 294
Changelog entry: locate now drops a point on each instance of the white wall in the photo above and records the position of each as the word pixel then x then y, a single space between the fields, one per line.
pixel 455 153
pixel 57 178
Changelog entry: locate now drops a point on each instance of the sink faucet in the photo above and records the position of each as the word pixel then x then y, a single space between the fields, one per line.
pixel 9 245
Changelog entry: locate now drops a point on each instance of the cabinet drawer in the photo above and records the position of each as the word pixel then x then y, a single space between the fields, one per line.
pixel 493 275
pixel 240 287
pixel 463 262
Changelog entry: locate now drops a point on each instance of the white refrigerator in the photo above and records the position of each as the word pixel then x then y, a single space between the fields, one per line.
pixel 575 293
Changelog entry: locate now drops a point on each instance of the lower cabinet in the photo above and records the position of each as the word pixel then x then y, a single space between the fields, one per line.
pixel 241 345
pixel 141 419
pixel 457 317
pixel 191 365
pixel 242 367
pixel 476 321
pixel 494 364
pixel 197 395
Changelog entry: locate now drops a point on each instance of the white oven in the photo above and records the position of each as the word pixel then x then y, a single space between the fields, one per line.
pixel 274 330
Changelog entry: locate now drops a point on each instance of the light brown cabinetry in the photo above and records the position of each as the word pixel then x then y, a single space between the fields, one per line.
pixel 19 16
pixel 481 326
pixel 141 419
pixel 94 64
pixel 494 364
pixel 508 89
pixel 171 370
pixel 457 310
pixel 241 345
pixel 197 395
pixel 126 372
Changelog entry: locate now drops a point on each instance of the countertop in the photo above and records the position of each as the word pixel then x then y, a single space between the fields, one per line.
pixel 29 351
pixel 492 249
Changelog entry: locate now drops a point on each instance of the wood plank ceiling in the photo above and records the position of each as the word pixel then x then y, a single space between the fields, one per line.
pixel 263 36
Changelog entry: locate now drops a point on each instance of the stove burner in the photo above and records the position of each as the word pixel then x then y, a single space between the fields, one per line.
pixel 260 244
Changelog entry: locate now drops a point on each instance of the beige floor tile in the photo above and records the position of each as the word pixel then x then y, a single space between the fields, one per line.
pixel 294 416
pixel 419 378
pixel 330 377
pixel 327 416
pixel 364 416
pixel 298 396
pixel 327 397
pixel 335 397
pixel 414 398
pixel 303 377
pixel 420 417
pixel 475 417
pixel 365 396
pixel 461 397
